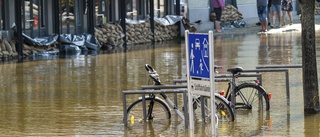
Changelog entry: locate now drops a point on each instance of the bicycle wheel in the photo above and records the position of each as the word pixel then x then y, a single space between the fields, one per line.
pixel 160 115
pixel 223 109
pixel 251 96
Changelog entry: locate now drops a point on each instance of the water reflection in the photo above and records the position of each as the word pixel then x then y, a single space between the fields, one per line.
pixel 82 95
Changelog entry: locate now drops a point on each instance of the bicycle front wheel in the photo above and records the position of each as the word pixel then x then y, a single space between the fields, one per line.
pixel 223 109
pixel 251 96
pixel 157 115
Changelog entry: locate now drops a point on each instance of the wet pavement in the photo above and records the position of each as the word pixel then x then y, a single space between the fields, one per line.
pixel 82 95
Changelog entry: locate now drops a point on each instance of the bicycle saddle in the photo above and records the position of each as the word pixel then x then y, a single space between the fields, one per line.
pixel 235 70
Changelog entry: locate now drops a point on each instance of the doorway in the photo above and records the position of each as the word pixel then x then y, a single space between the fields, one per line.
pixel 71 16
pixel 34 16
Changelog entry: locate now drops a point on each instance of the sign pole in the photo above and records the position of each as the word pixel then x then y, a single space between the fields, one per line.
pixel 190 106
pixel 212 97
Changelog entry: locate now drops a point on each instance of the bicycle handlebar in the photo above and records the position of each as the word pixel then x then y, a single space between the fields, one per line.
pixel 149 68
pixel 153 74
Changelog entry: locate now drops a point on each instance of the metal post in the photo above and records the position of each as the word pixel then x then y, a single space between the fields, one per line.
pixel 152 19
pixel 91 18
pixel 123 11
pixel 144 107
pixel 287 85
pixel 19 47
pixel 178 13
pixel 175 97
pixel 203 116
pixel 125 109
pixel 186 115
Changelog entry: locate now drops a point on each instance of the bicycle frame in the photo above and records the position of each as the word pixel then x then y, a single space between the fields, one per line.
pixel 155 77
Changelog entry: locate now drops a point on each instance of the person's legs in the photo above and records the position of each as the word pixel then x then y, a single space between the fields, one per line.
pixel 280 18
pixel 279 13
pixel 218 12
pixel 273 18
pixel 262 14
pixel 290 17
pixel 284 17
pixel 274 12
pixel 217 23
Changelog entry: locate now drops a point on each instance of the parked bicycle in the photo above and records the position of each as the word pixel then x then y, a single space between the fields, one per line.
pixel 158 112
pixel 247 95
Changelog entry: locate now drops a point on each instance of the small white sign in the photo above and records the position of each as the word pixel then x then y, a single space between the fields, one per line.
pixel 200 87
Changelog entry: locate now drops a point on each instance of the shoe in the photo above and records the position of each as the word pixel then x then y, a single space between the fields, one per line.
pixel 261 31
pixel 219 31
pixel 198 21
pixel 269 23
pixel 258 23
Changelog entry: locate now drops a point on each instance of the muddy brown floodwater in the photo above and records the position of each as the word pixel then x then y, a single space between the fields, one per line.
pixel 82 95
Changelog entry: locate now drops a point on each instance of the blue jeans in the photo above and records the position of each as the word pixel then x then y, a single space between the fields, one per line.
pixel 262 13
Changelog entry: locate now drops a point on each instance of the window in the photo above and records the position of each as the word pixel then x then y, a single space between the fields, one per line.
pixel 2 15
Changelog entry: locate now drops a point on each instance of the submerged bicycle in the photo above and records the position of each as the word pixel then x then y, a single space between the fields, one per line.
pixel 247 95
pixel 158 110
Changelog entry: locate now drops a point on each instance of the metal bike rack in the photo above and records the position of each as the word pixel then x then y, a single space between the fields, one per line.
pixel 273 70
pixel 283 66
pixel 143 92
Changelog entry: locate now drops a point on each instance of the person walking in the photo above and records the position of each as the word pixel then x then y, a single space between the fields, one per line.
pixel 262 8
pixel 276 10
pixel 286 8
pixel 218 6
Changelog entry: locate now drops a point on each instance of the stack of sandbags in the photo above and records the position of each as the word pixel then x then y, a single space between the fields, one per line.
pixel 230 13
pixel 317 8
pixel 30 49
pixel 7 49
pixel 110 34
pixel 138 33
pixel 165 32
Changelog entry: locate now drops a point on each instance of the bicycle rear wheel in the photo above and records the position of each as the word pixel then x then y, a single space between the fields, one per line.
pixel 160 115
pixel 223 109
pixel 251 96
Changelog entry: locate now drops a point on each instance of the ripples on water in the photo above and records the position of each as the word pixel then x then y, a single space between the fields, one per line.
pixel 82 95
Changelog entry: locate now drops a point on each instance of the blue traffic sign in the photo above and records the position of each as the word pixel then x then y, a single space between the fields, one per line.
pixel 199 55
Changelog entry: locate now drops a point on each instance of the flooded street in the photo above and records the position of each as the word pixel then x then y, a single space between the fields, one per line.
pixel 82 96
